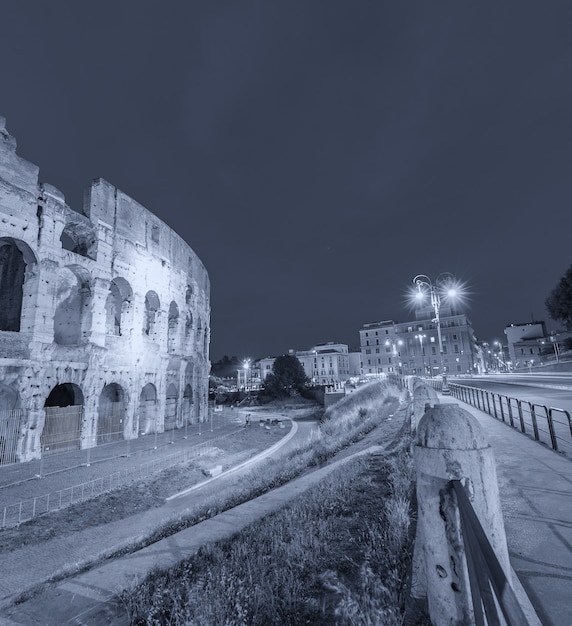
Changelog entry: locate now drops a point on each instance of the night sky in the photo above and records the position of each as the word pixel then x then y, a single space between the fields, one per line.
pixel 315 155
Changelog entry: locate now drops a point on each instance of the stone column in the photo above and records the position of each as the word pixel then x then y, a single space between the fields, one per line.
pixel 451 445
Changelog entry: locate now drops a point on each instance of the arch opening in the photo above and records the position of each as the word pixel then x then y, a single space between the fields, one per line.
pixel 118 306
pixel 62 427
pixel 173 326
pixel 72 318
pixel 187 408
pixel 171 404
pixel 148 410
pixel 151 313
pixel 111 414
pixel 16 261
pixel 79 238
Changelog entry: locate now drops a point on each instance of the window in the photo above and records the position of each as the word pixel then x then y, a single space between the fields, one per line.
pixel 444 349
pixel 454 336
pixel 433 351
pixel 456 347
pixel 368 351
pixel 432 339
pixel 155 233
pixel 377 350
pixel 367 343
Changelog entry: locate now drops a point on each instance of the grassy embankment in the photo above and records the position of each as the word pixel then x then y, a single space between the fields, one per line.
pixel 338 554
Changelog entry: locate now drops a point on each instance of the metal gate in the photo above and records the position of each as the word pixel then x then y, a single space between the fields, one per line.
pixel 62 429
pixel 110 422
pixel 147 417
pixel 10 425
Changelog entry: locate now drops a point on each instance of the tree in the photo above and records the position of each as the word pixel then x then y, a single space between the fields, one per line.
pixel 287 373
pixel 559 302
pixel 226 367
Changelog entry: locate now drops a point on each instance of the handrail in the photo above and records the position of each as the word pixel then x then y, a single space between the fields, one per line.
pixel 486 575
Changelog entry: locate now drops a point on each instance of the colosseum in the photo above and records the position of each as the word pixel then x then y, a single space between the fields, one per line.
pixel 104 318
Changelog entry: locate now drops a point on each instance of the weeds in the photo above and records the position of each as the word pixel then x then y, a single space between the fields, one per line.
pixel 336 555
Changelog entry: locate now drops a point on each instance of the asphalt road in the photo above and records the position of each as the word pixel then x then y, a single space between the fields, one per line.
pixel 544 391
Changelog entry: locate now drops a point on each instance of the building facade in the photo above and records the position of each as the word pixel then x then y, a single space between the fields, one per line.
pixel 525 343
pixel 324 364
pixel 413 347
pixel 104 317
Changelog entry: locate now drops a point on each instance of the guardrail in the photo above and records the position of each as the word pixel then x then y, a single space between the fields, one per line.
pixel 548 425
pixel 485 571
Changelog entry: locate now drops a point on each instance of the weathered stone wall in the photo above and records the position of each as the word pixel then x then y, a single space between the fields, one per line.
pixel 98 306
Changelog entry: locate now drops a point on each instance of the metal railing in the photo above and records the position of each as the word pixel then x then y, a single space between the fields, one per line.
pixel 488 581
pixel 548 425
pixel 25 510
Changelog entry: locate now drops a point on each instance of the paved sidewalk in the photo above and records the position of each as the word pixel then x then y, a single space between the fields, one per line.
pixel 535 485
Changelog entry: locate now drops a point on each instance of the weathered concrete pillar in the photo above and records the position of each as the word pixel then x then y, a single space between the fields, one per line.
pixel 451 445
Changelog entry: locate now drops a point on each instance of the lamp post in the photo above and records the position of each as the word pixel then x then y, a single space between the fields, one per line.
pixel 421 337
pixel 501 354
pixel 246 365
pixel 443 286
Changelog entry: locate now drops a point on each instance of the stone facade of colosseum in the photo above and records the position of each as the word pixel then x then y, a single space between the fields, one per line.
pixel 104 317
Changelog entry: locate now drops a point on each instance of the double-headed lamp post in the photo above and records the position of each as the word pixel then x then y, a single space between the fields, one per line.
pixel 444 286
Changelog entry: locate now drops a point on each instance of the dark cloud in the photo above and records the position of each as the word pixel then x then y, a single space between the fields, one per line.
pixel 315 155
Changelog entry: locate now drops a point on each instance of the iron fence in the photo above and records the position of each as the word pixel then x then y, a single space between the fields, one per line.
pixel 548 425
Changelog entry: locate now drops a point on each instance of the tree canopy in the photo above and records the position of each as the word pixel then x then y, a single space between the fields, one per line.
pixel 226 367
pixel 287 374
pixel 559 302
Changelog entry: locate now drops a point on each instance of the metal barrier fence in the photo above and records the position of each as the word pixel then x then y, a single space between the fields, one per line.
pixel 10 425
pixel 549 425
pixel 486 576
pixel 62 446
pixel 26 510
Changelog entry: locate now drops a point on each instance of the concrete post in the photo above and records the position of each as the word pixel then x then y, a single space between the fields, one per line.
pixel 451 445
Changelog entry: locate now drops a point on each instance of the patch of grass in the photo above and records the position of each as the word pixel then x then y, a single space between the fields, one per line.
pixel 334 435
pixel 336 555
pixel 140 496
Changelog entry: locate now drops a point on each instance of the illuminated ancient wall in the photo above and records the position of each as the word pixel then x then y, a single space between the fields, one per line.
pixel 106 311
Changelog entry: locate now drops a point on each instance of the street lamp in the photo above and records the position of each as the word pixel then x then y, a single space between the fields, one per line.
pixel 444 288
pixel 496 342
pixel 246 365
pixel 421 337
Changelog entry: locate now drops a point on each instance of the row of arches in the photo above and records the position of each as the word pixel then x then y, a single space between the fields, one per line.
pixel 119 316
pixel 67 422
pixel 74 296
pixel 64 415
